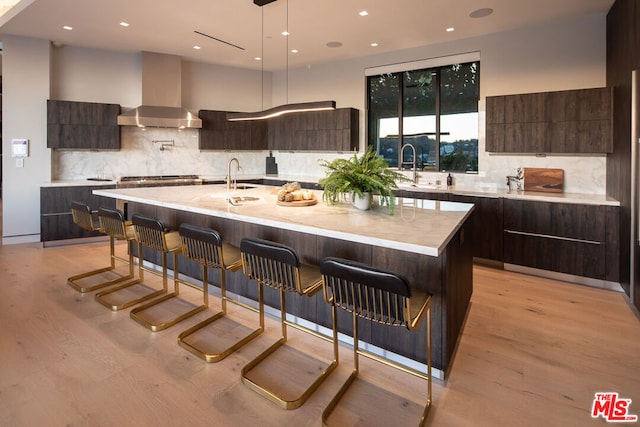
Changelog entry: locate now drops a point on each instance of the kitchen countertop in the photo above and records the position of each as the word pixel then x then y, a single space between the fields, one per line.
pixel 486 191
pixel 578 198
pixel 479 191
pixel 77 183
pixel 419 226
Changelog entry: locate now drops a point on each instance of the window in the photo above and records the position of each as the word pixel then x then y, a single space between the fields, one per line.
pixel 433 109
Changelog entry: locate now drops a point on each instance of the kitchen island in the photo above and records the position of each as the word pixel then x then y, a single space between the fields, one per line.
pixel 426 241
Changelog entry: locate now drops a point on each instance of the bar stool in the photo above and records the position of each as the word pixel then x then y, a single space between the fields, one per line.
pixel 380 296
pixel 205 247
pixel 151 233
pixel 112 223
pixel 83 217
pixel 279 267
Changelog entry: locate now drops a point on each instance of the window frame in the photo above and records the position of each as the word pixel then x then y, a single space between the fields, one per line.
pixel 436 64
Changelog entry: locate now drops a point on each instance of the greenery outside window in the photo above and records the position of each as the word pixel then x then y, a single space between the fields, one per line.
pixel 433 109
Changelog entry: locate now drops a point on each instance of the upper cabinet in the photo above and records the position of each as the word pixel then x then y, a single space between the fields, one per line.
pixel 333 130
pixel 571 121
pixel 217 133
pixel 82 125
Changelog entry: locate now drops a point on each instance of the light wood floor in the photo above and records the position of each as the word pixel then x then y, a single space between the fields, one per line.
pixel 533 353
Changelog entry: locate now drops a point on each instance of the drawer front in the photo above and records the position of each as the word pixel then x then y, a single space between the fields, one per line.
pixel 580 258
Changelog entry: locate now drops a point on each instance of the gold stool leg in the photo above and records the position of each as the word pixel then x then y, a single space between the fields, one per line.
pixel 75 281
pixel 326 413
pixel 138 315
pixel 101 297
pixel 199 350
pixel 272 395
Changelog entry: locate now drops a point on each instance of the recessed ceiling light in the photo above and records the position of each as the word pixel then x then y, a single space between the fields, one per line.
pixel 257 58
pixel 67 27
pixel 197 47
pixel 124 24
pixel 450 30
pixel 294 50
pixel 363 13
pixel 285 33
pixel 481 13
pixel 334 44
pixel 374 44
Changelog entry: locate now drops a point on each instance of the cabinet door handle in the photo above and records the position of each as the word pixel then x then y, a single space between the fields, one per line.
pixel 548 236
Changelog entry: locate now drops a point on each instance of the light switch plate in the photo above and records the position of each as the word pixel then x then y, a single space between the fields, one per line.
pixel 19 163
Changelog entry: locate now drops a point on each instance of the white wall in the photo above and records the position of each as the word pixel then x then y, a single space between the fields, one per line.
pixel 25 83
pixel 90 75
pixel 214 87
pixel 557 56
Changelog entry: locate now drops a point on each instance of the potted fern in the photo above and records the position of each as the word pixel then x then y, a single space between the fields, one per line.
pixel 362 177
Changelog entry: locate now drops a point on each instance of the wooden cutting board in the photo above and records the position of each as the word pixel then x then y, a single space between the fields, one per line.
pixel 543 179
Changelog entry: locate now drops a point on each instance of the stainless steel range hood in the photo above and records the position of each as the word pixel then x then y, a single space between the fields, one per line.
pixel 161 95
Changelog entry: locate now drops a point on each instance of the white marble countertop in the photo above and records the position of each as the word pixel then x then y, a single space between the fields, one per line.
pixel 76 183
pixel 482 191
pixel 420 226
pixel 579 198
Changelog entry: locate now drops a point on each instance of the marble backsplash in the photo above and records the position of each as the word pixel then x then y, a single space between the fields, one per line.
pixel 140 155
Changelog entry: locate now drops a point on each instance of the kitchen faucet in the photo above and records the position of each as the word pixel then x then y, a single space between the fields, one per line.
pixel 235 178
pixel 413 163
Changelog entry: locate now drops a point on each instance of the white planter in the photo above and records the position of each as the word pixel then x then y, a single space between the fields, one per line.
pixel 363 203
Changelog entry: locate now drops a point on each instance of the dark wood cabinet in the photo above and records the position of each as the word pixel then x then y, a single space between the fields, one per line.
pixel 623 45
pixel 486 225
pixel 56 222
pixel 568 238
pixel 217 133
pixel 571 121
pixel 422 195
pixel 333 130
pixel 82 125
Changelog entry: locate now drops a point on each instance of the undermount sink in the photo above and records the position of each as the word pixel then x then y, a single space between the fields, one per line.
pixel 243 186
pixel 420 186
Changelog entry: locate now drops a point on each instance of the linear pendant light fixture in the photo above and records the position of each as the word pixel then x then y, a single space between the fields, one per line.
pixel 286 108
pixel 283 109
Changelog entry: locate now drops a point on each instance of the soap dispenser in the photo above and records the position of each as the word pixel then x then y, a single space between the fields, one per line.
pixel 449 180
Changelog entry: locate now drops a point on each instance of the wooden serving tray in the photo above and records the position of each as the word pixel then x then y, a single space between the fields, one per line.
pixel 298 203
pixel 542 179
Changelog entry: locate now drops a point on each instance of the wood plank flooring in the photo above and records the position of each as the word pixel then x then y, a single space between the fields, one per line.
pixel 533 352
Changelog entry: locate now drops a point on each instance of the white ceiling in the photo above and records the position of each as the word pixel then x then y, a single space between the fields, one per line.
pixel 168 26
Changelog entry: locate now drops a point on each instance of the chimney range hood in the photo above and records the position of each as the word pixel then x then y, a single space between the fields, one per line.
pixel 161 96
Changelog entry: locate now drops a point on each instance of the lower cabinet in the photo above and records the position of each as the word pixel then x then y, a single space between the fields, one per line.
pixel 567 238
pixel 486 225
pixel 56 222
pixel 577 239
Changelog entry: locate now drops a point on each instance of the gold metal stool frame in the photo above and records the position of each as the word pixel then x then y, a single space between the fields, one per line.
pixel 379 296
pixel 83 217
pixel 112 221
pixel 278 267
pixel 205 247
pixel 150 233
